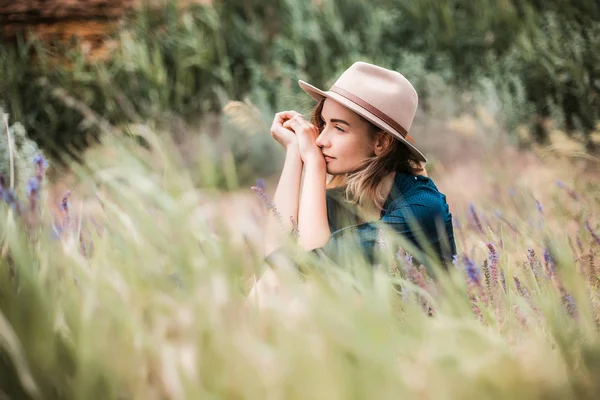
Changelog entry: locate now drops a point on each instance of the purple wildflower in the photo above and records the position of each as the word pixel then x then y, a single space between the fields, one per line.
pixel 475 217
pixel 406 261
pixel 548 262
pixel 539 206
pixel 9 197
pixel 64 203
pixel 579 244
pixel 534 263
pixel 569 191
pixel 32 191
pixel 594 235
pixel 268 203
pixel 65 207
pixel 40 160
pixel 260 183
pixel 473 271
pixel 33 186
pixel 569 303
pixel 521 289
pixel 493 257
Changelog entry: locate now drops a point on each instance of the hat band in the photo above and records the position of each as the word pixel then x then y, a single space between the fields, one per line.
pixel 375 111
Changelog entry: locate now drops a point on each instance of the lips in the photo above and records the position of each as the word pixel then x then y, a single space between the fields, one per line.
pixel 326 156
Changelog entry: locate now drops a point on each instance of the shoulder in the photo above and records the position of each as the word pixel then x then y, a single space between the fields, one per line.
pixel 418 196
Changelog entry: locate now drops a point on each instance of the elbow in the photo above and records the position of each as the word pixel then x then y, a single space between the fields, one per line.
pixel 314 242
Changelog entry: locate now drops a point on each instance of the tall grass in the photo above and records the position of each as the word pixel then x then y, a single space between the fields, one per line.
pixel 134 289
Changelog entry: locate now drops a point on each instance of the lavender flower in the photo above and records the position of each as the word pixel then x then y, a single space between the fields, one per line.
pixel 33 186
pixel 569 191
pixel 475 217
pixel 569 303
pixel 473 271
pixel 35 182
pixel 64 203
pixel 594 235
pixel 539 206
pixel 268 203
pixel 548 262
pixel 579 244
pixel 534 263
pixel 521 289
pixel 493 257
pixel 41 161
pixel 406 260
pixel 260 183
pixel 9 197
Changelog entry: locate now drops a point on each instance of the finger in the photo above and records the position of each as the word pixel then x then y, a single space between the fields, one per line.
pixel 298 122
pixel 283 116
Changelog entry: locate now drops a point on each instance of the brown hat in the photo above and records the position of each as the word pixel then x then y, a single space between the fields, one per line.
pixel 382 96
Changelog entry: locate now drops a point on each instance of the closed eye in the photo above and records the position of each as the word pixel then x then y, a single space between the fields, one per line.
pixel 337 127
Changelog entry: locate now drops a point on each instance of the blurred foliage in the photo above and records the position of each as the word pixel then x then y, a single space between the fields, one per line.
pixel 139 291
pixel 23 152
pixel 537 60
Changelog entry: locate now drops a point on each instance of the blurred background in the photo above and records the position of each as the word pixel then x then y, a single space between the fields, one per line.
pixel 154 119
pixel 211 74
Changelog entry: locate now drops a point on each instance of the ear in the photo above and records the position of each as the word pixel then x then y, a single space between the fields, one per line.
pixel 382 141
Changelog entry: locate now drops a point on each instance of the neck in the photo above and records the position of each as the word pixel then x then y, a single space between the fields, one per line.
pixel 386 184
pixel 384 190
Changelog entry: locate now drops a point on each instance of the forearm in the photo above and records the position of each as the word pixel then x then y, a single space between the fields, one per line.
pixel 312 220
pixel 286 201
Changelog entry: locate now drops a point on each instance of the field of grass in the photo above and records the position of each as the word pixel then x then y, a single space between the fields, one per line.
pixel 134 285
pixel 126 275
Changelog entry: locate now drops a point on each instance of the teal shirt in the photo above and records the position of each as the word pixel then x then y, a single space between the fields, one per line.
pixel 414 208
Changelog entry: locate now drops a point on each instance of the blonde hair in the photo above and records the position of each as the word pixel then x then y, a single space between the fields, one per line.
pixel 363 185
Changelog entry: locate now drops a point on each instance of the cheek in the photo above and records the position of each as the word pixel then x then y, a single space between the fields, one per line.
pixel 352 148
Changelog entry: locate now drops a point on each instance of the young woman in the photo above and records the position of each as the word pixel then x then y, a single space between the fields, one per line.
pixel 358 136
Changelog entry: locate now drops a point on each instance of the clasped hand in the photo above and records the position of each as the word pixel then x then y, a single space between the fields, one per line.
pixel 290 129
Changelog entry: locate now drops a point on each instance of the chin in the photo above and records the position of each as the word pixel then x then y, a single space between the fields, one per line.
pixel 339 170
pixel 335 171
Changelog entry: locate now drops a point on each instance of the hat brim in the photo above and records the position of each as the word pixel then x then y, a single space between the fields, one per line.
pixel 319 95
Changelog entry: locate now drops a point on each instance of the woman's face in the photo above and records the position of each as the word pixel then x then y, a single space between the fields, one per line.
pixel 345 138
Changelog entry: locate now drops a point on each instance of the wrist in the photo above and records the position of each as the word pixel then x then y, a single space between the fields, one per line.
pixel 292 150
pixel 316 159
pixel 315 164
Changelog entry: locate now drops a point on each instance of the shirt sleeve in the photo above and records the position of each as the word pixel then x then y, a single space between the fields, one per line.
pixel 415 223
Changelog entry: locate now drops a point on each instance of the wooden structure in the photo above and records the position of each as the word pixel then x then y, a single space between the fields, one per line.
pixel 91 21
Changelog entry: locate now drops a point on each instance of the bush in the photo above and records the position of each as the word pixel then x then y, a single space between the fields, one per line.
pixel 23 149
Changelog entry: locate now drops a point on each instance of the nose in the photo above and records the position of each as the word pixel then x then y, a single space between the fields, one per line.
pixel 322 140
